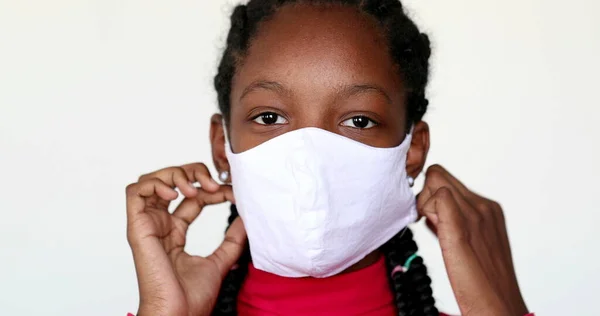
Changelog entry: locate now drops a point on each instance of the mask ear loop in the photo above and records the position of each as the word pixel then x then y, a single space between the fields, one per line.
pixel 224 175
pixel 411 180
pixel 227 145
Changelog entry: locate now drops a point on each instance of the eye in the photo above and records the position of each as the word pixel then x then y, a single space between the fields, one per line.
pixel 361 122
pixel 269 118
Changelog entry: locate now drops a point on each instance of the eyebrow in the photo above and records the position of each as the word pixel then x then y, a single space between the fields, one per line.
pixel 345 91
pixel 351 90
pixel 265 85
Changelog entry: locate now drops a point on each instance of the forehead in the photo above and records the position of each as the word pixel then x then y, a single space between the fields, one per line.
pixel 322 45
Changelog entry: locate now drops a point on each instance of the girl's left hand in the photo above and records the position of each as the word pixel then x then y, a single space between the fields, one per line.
pixel 475 247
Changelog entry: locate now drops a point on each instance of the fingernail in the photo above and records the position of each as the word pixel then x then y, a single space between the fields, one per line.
pixel 192 185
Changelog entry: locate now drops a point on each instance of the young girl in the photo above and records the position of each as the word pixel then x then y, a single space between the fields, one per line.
pixel 318 141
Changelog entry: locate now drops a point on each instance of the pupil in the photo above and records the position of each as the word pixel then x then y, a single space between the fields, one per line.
pixel 360 121
pixel 269 118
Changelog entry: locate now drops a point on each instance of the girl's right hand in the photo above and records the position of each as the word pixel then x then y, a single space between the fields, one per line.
pixel 172 282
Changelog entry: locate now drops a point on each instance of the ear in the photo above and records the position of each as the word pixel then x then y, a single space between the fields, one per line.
pixel 217 140
pixel 419 148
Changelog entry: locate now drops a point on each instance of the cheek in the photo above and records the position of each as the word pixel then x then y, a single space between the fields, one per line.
pixel 391 132
pixel 382 137
pixel 399 125
pixel 242 138
pixel 247 141
pixel 237 134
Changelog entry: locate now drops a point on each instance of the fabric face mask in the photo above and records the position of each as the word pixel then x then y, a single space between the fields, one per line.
pixel 314 203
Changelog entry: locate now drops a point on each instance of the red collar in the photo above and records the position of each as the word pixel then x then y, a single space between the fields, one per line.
pixel 363 292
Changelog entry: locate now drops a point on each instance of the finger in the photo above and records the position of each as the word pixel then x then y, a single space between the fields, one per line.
pixel 475 207
pixel 442 210
pixel 452 179
pixel 433 184
pixel 463 268
pixel 176 177
pixel 188 212
pixel 471 197
pixel 198 172
pixel 138 192
pixel 232 247
pixel 434 180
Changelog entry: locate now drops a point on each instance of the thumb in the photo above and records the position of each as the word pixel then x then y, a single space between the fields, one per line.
pixel 232 247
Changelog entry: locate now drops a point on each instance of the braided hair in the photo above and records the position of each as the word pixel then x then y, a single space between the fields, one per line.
pixel 410 50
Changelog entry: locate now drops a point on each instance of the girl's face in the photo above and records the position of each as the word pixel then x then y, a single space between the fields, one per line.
pixel 321 67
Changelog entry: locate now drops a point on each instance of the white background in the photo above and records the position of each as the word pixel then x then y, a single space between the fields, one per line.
pixel 94 93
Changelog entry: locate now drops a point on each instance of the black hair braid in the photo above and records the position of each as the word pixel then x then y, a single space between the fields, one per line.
pixel 410 50
pixel 412 288
pixel 227 299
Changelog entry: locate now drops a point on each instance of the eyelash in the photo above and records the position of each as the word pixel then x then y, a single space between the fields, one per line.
pixel 266 114
pixel 370 123
pixel 280 120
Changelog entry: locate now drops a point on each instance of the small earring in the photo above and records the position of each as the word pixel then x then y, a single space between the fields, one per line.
pixel 411 181
pixel 224 176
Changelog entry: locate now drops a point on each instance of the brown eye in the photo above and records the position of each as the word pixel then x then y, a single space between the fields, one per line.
pixel 361 122
pixel 269 118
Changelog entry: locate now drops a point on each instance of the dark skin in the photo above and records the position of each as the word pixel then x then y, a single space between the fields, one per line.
pixel 325 68
pixel 316 80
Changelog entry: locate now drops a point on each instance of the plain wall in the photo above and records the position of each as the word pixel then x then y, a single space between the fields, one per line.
pixel 94 93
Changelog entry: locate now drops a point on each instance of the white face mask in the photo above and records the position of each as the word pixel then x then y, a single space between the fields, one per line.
pixel 314 203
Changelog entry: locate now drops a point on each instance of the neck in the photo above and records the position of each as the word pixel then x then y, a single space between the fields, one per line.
pixel 365 291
